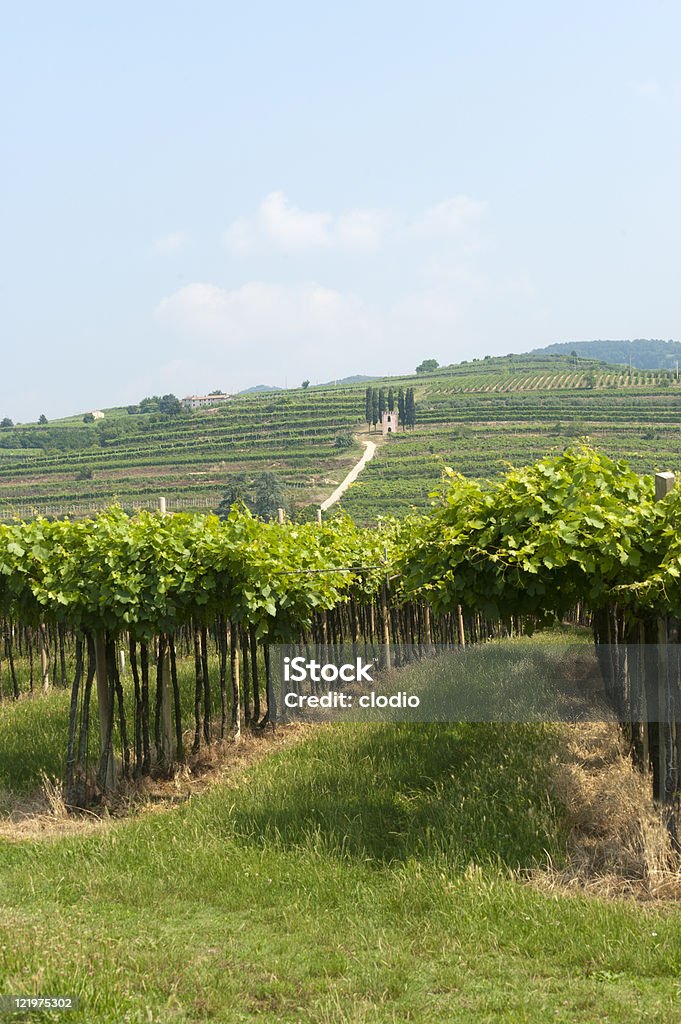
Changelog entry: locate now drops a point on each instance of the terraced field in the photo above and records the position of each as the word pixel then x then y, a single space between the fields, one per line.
pixel 480 421
pixel 476 417
pixel 187 458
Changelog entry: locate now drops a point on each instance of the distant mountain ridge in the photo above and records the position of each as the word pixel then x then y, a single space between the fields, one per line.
pixel 358 378
pixel 643 353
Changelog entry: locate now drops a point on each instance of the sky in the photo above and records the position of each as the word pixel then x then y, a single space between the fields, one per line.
pixel 207 195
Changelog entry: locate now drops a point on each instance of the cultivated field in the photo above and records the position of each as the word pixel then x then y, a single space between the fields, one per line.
pixel 476 417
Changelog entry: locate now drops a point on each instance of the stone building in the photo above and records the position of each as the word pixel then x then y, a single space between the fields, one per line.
pixel 389 422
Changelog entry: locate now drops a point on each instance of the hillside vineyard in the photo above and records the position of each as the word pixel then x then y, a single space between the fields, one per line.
pixel 477 417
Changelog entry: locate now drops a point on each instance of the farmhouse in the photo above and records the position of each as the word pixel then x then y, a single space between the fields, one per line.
pixel 204 401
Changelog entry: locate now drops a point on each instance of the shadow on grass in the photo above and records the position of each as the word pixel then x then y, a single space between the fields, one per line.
pixel 459 793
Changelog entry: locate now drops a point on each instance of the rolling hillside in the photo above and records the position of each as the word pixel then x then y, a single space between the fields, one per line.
pixel 476 417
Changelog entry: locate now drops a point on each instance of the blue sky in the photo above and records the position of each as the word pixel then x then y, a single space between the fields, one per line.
pixel 202 195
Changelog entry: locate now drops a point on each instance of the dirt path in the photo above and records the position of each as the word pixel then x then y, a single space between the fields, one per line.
pixel 369 452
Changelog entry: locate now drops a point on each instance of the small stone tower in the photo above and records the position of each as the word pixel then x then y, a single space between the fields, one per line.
pixel 389 422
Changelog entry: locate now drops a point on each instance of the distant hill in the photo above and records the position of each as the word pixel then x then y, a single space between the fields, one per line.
pixel 357 379
pixel 643 353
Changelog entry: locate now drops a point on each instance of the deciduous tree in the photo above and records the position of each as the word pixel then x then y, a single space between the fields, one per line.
pixel 427 366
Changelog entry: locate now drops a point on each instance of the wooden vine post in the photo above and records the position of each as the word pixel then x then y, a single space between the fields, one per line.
pixel 107 774
pixel 167 747
pixel 234 672
pixel 385 619
pixel 427 634
pixel 45 671
pixel 664 482
pixel 460 626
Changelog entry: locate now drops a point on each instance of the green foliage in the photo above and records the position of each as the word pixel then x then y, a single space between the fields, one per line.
pixel 269 496
pixel 150 573
pixel 305 514
pixel 42 419
pixel 401 408
pixel 569 527
pixel 577 526
pixel 410 409
pixel 239 491
pixel 170 405
pixel 343 441
pixel 427 366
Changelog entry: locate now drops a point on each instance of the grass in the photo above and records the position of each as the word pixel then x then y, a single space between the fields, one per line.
pixel 369 874
pixel 34 729
pixel 33 736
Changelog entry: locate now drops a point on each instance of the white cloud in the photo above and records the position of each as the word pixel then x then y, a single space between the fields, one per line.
pixel 287 227
pixel 263 328
pixel 259 312
pixel 293 228
pixel 280 224
pixel 362 229
pixel 171 243
pixel 450 218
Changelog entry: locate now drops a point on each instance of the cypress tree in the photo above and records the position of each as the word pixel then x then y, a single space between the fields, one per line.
pixel 368 405
pixel 401 408
pixel 410 408
pixel 374 408
pixel 381 404
pixel 391 400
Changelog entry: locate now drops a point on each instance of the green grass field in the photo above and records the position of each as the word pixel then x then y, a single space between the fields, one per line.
pixel 367 873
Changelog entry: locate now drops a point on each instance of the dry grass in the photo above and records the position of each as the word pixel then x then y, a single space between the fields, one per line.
pixel 44 814
pixel 618 844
